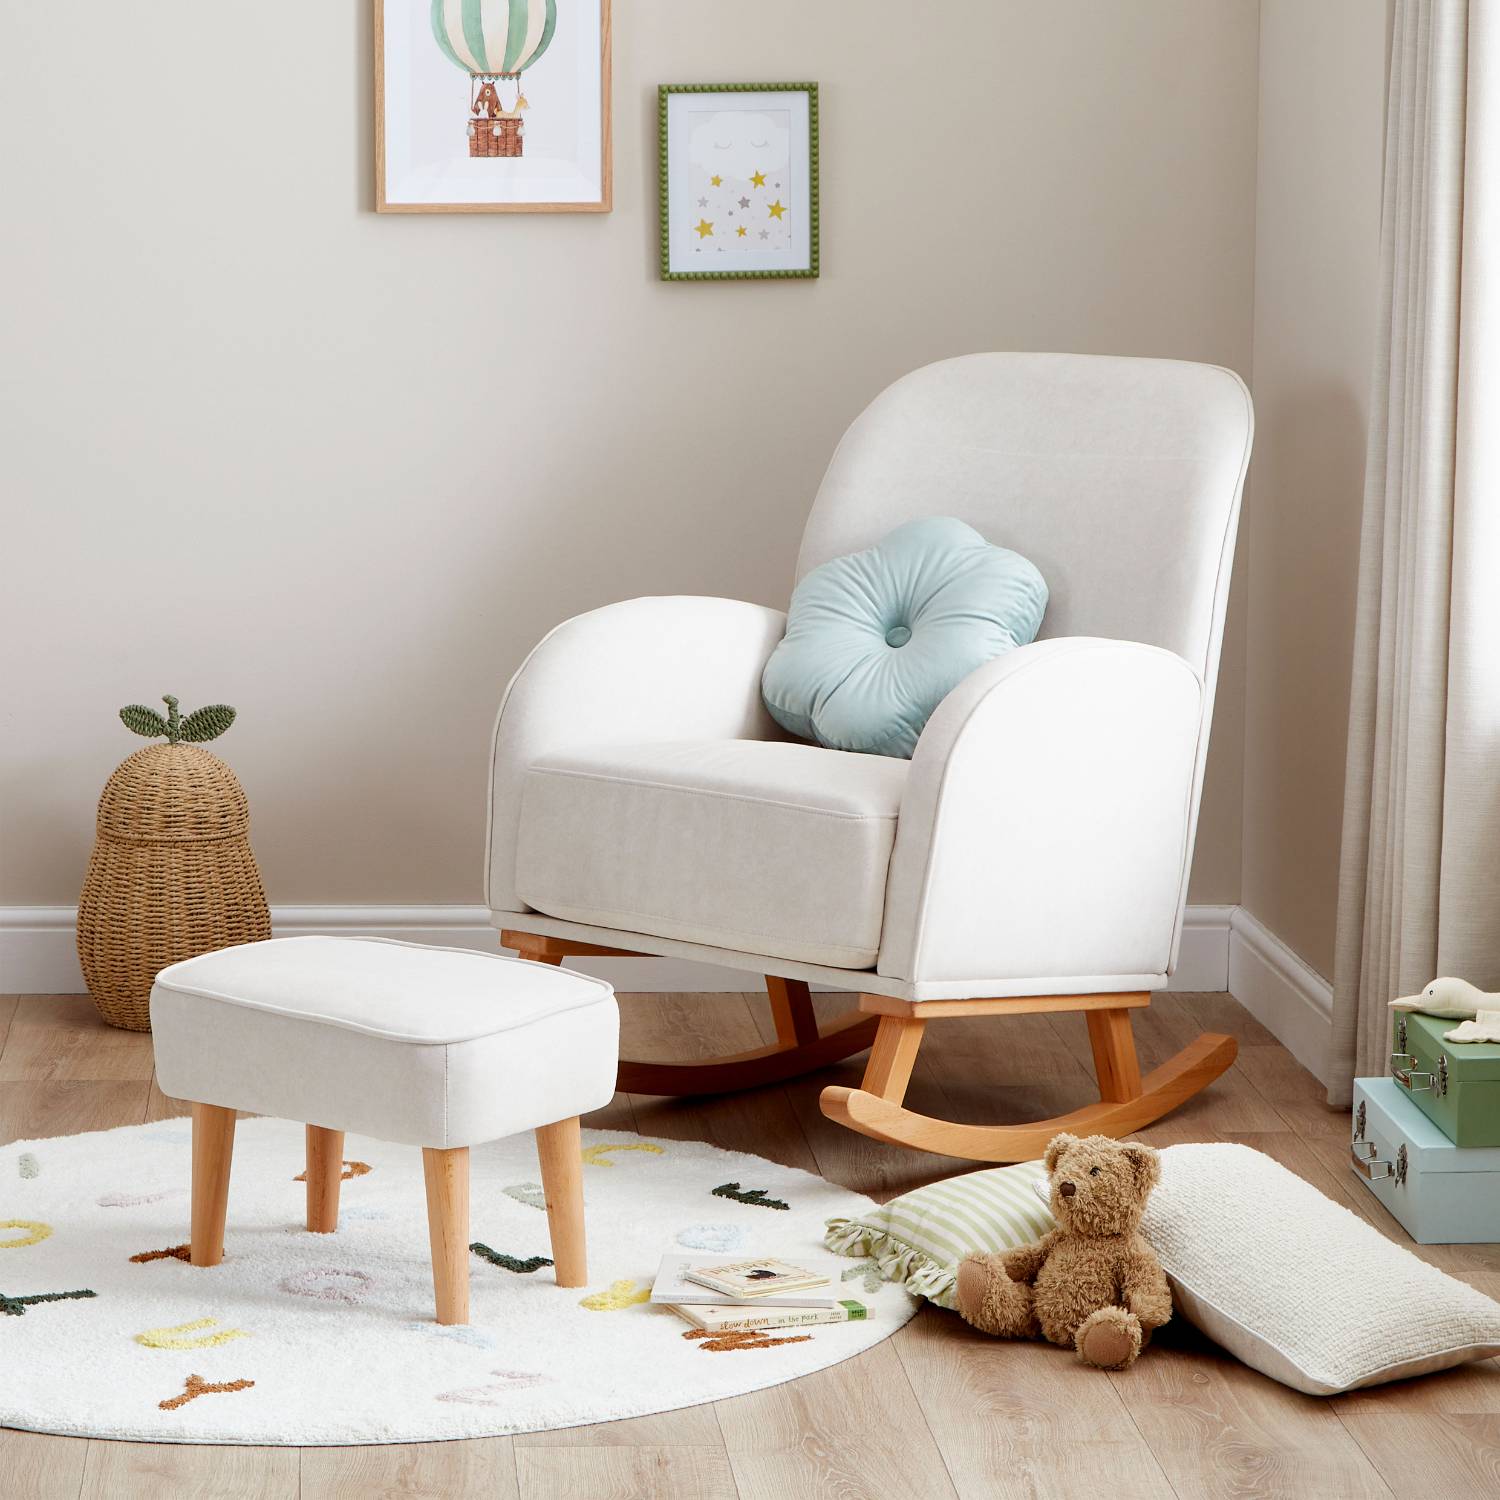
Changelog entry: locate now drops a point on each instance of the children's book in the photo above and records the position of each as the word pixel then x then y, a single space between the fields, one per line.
pixel 762 1277
pixel 734 1319
pixel 674 1288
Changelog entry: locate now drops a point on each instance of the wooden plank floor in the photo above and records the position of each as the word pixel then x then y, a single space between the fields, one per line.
pixel 937 1411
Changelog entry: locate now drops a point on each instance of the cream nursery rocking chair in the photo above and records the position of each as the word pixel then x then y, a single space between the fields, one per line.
pixel 1031 856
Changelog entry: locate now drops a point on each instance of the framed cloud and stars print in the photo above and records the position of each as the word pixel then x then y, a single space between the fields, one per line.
pixel 739 181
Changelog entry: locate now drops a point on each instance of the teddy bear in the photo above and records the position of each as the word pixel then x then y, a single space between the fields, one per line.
pixel 1093 1282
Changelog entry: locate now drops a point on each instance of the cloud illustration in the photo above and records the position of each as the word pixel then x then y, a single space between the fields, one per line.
pixel 739 142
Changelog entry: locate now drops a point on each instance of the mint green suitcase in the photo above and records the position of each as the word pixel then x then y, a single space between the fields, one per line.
pixel 1455 1084
pixel 1442 1194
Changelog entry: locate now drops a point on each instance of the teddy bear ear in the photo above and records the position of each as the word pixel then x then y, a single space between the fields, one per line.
pixel 1146 1164
pixel 1055 1148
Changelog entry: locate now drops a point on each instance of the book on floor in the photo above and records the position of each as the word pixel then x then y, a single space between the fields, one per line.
pixel 735 1319
pixel 764 1276
pixel 675 1285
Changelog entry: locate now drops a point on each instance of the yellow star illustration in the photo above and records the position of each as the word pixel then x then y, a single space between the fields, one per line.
pixel 704 228
pixel 742 231
pixel 777 209
pixel 716 181
pixel 758 179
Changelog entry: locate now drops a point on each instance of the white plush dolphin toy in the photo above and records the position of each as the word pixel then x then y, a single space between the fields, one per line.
pixel 1458 1000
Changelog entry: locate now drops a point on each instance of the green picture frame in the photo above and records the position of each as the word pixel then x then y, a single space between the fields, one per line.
pixel 709 162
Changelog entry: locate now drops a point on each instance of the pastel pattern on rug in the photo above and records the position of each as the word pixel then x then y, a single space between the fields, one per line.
pixel 191 1335
pixel 718 1237
pixel 530 1193
pixel 235 1359
pixel 15 1307
pixel 29 1232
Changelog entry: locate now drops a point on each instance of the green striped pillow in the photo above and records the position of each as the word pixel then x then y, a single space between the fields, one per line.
pixel 919 1238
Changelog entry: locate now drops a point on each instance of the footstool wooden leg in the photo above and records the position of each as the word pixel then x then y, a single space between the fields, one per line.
pixel 447 1174
pixel 325 1170
pixel 213 1150
pixel 558 1146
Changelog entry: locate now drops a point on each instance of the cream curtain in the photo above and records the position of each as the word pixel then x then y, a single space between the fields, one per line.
pixel 1420 881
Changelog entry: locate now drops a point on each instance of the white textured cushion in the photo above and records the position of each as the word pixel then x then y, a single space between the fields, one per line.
pixel 428 1046
pixel 1299 1288
pixel 756 845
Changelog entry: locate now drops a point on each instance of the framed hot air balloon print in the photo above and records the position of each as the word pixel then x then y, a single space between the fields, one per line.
pixel 739 180
pixel 492 106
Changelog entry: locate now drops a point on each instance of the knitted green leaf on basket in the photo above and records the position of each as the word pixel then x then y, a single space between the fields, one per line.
pixel 202 724
pixel 142 720
pixel 207 723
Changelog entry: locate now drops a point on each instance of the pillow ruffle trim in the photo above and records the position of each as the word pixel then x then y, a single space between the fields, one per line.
pixel 896 1260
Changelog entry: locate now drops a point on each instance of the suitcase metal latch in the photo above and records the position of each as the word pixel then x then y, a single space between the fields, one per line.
pixel 1442 1074
pixel 1359 1121
pixel 1373 1168
pixel 1405 1071
pixel 1400 1033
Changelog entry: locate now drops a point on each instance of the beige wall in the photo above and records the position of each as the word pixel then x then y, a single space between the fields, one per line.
pixel 1322 101
pixel 341 470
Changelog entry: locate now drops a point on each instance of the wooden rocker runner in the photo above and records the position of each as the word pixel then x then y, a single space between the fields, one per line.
pixel 892 1030
pixel 1032 855
pixel 799 1047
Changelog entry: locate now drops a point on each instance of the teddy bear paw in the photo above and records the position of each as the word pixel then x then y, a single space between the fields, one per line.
pixel 1109 1339
pixel 1154 1309
pixel 986 1297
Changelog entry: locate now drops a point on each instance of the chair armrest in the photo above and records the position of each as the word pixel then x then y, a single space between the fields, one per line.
pixel 672 668
pixel 1046 824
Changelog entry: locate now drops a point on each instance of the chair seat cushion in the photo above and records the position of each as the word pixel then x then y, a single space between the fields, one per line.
pixel 759 846
pixel 429 1046
pixel 876 640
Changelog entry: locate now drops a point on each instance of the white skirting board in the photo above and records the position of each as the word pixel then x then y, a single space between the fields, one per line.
pixel 1291 1000
pixel 1223 948
pixel 37 955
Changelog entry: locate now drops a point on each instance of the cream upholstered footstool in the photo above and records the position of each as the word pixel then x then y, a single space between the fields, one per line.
pixel 436 1047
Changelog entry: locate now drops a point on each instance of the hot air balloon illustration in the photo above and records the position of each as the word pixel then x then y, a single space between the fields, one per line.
pixel 494 41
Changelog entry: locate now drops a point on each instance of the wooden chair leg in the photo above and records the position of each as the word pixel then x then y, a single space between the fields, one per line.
pixel 558 1147
pixel 892 1057
pixel 801 1045
pixel 792 1010
pixel 325 1171
pixel 1116 1066
pixel 447 1174
pixel 1127 1101
pixel 213 1152
pixel 535 949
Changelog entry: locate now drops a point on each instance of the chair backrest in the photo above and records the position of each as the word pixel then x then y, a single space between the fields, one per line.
pixel 1119 478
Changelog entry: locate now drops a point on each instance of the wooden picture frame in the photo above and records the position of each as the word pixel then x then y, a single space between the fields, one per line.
pixel 747 154
pixel 479 164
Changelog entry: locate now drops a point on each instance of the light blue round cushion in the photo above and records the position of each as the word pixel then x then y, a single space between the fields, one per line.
pixel 876 640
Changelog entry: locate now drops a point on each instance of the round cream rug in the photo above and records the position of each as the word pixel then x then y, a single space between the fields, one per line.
pixel 299 1338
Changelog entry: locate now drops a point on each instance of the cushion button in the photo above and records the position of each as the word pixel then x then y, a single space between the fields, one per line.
pixel 897 635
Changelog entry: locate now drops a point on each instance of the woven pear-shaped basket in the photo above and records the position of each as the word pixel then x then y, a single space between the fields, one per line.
pixel 172 875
